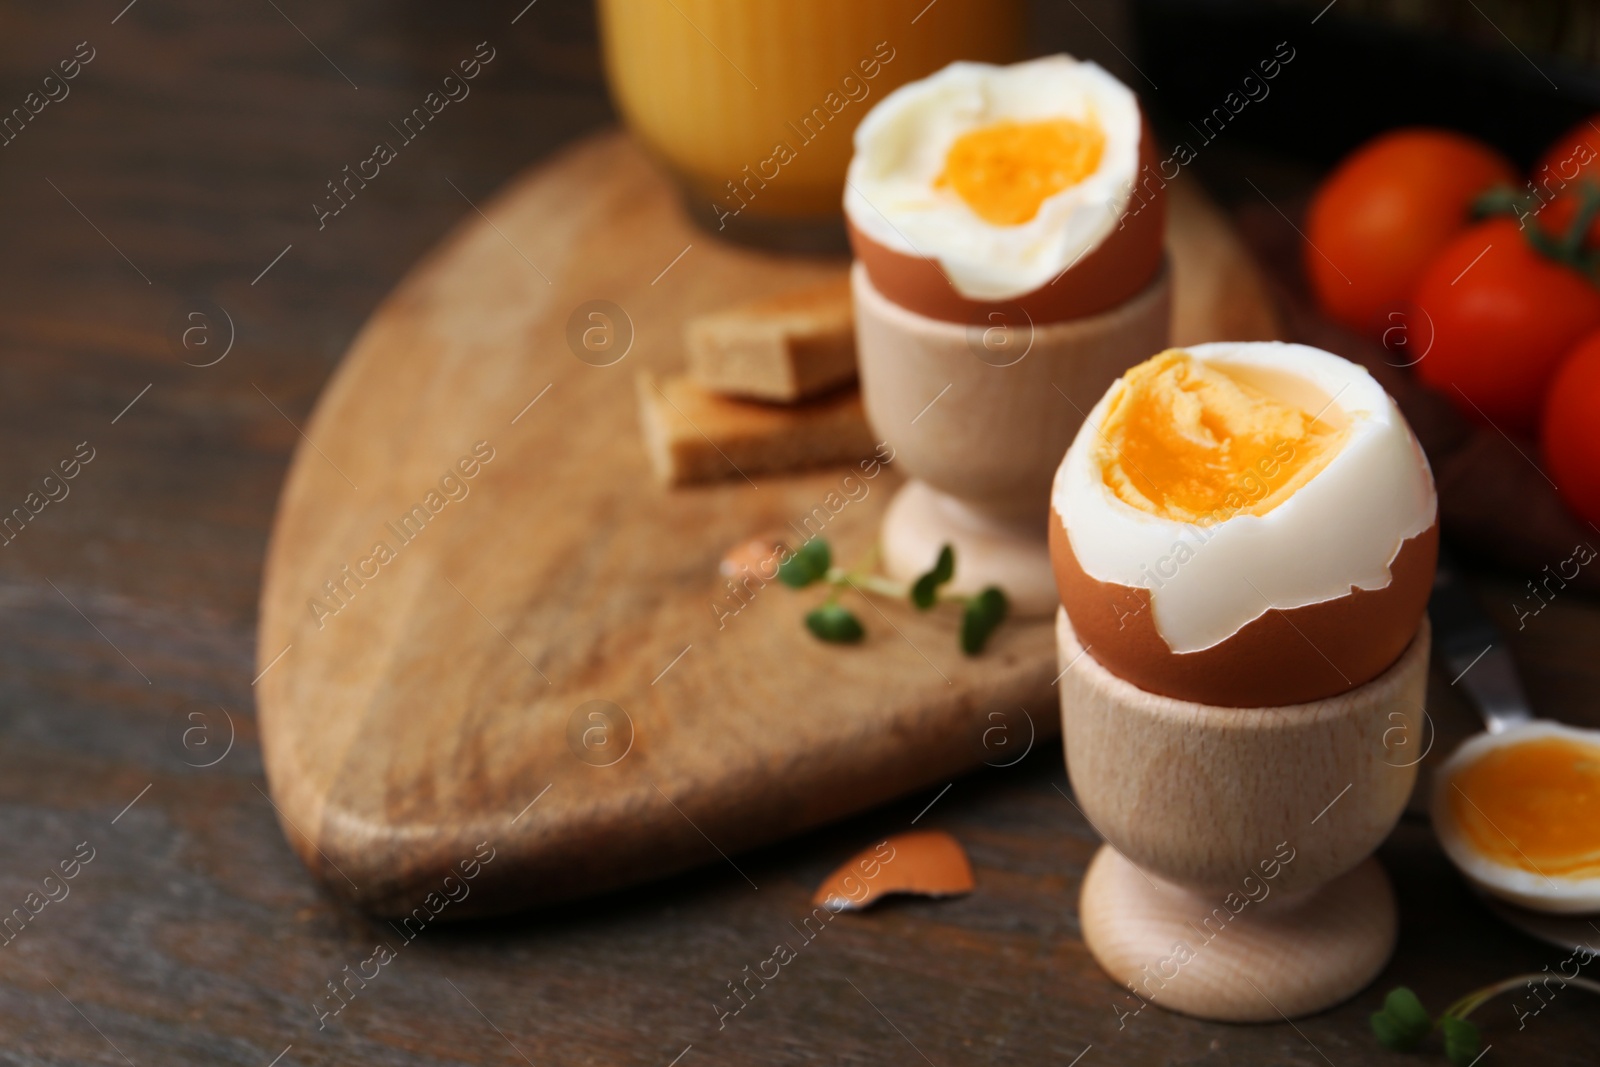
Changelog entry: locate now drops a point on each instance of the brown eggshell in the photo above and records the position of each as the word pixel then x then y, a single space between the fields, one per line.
pixel 1117 270
pixel 1282 657
pixel 928 863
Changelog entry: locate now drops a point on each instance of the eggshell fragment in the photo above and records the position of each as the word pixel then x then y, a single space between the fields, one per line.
pixel 758 555
pixel 927 863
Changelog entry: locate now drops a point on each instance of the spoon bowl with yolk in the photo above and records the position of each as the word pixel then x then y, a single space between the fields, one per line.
pixel 1519 813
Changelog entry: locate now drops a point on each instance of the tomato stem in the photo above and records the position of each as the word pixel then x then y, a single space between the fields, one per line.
pixel 1502 200
pixel 1588 207
pixel 1567 249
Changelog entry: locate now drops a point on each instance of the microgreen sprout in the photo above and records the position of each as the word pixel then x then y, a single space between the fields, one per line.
pixel 1403 1024
pixel 982 613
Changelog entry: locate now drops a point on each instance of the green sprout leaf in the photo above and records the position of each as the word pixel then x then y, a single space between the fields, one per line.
pixel 984 613
pixel 1463 1044
pixel 926 589
pixel 1403 1022
pixel 809 563
pixel 834 623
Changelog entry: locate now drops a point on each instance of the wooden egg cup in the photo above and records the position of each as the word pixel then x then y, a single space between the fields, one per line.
pixel 1190 904
pixel 980 416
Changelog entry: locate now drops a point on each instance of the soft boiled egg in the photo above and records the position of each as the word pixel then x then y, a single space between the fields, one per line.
pixel 1519 813
pixel 1028 184
pixel 1245 525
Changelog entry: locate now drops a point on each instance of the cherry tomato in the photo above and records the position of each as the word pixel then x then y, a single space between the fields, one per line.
pixel 1574 154
pixel 1570 436
pixel 1503 315
pixel 1572 158
pixel 1380 217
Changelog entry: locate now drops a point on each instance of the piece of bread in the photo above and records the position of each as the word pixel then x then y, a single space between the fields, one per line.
pixel 783 348
pixel 694 435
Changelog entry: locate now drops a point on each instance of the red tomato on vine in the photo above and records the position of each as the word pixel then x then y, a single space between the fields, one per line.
pixel 1556 180
pixel 1506 304
pixel 1385 212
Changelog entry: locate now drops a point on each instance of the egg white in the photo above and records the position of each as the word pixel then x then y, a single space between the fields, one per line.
pixel 900 150
pixel 1341 530
pixel 1567 896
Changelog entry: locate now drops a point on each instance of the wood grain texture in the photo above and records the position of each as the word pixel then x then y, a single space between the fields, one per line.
pixel 195 142
pixel 423 715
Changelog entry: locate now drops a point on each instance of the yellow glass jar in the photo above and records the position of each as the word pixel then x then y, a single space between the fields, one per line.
pixel 751 103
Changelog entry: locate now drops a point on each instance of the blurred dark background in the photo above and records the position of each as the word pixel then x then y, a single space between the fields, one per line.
pixel 1514 74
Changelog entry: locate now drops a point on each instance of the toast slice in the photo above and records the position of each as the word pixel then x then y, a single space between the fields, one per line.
pixel 694 435
pixel 782 348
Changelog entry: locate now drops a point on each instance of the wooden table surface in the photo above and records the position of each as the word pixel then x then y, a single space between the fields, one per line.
pixel 182 166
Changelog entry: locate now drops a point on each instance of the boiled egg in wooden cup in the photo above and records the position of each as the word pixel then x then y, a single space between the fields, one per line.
pixel 1244 537
pixel 1007 225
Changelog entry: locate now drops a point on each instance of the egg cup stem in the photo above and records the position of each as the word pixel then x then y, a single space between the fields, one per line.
pixel 1012 555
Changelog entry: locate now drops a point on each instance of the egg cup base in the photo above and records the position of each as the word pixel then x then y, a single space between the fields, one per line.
pixel 1286 957
pixel 1012 555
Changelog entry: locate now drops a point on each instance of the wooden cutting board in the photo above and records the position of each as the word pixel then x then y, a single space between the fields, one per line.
pixel 540 665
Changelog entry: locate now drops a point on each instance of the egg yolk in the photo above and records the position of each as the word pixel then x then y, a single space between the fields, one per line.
pixel 1186 441
pixel 1534 805
pixel 1005 171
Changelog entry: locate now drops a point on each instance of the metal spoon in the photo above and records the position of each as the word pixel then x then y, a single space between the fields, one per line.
pixel 1468 643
